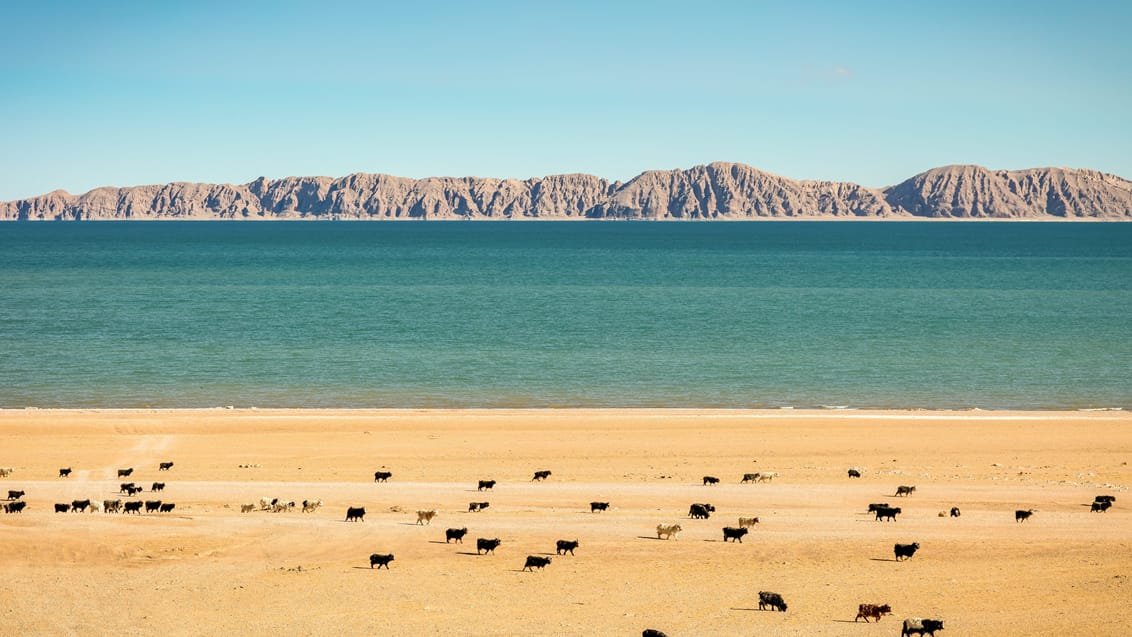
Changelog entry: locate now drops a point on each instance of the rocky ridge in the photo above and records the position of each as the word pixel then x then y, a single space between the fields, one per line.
pixel 719 190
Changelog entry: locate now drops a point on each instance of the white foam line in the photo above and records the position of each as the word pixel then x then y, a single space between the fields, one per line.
pixel 756 415
pixel 874 416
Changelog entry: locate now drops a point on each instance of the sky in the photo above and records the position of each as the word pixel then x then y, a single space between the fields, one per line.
pixel 128 93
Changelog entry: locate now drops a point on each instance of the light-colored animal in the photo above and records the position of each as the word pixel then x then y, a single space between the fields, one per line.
pixel 745 523
pixel 279 507
pixel 247 508
pixel 766 476
pixel 425 517
pixel 265 504
pixel 310 506
pixel 665 531
pixel 6 471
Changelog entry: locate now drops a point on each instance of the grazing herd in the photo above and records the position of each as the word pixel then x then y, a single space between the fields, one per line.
pixel 17 505
pixel 486 546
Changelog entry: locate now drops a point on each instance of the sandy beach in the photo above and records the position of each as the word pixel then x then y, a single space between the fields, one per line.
pixel 206 568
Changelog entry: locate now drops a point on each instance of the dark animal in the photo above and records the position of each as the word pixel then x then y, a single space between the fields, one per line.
pixel 355 514
pixel 853 473
pixel 478 506
pixel 485 484
pixel 111 506
pixel 905 551
pixel 79 505
pixel 64 472
pixel 484 545
pixel 157 486
pixel 166 507
pixel 955 512
pixel 164 466
pixel 598 506
pixel 534 561
pixel 876 611
pixel 773 600
pixel 16 495
pixel 651 632
pixel 152 505
pixel 903 490
pixel 1100 506
pixel 62 508
pixel 380 560
pixel 749 477
pixel 541 475
pixel 887 512
pixel 1105 498
pixel 133 507
pixel 382 476
pixel 125 473
pixel 455 534
pixel 921 626
pixel 566 545
pixel 15 507
pixel 1022 516
pixel 710 480
pixel 877 505
pixel 732 533
pixel 700 511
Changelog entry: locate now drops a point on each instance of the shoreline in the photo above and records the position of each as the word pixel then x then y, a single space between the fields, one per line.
pixel 1114 413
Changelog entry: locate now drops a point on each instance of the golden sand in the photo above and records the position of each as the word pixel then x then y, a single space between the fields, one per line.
pixel 208 569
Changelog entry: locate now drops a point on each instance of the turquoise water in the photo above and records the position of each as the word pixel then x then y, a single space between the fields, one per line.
pixel 535 314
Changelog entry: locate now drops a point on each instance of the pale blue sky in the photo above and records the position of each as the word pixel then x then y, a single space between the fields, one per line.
pixel 127 93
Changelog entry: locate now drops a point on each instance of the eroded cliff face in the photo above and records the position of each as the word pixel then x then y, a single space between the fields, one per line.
pixel 974 192
pixel 716 191
pixel 737 191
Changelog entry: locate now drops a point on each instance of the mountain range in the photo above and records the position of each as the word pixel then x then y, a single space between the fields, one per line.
pixel 721 190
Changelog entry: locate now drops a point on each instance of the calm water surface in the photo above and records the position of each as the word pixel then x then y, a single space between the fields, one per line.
pixel 533 314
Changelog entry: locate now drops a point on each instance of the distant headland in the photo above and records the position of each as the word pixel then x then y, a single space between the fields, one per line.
pixel 721 191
